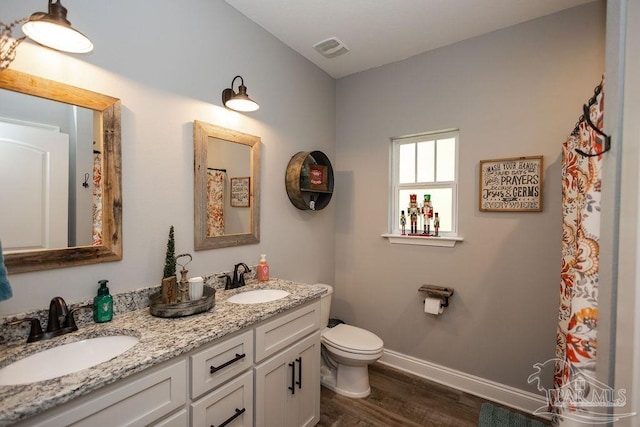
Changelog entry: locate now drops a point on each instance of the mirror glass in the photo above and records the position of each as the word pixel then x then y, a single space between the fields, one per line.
pixel 60 171
pixel 47 153
pixel 226 187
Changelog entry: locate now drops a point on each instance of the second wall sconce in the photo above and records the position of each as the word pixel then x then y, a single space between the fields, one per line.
pixel 239 101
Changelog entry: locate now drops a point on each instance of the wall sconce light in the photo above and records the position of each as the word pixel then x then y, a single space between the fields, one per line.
pixel 50 29
pixel 238 101
pixel 53 30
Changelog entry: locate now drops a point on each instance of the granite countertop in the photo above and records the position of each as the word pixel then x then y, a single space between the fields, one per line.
pixel 161 339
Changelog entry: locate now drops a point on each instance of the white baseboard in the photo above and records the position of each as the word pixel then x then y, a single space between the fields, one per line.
pixel 490 390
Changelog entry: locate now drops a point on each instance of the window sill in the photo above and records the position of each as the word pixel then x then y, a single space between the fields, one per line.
pixel 442 241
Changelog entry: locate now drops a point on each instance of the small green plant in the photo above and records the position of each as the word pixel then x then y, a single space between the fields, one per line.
pixel 170 257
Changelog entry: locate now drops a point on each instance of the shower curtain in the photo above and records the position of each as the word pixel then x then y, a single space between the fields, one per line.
pixel 215 202
pixel 97 199
pixel 576 342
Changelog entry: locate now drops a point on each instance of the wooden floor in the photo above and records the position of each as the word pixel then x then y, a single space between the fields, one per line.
pixel 400 399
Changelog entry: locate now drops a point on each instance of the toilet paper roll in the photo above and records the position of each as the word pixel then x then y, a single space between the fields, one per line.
pixel 433 306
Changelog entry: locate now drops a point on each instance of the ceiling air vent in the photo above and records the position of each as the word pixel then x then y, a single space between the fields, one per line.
pixel 330 48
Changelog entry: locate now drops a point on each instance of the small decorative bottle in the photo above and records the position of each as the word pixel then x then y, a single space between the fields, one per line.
pixel 103 304
pixel 263 269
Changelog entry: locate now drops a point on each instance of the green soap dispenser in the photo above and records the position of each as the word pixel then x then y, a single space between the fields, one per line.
pixel 103 304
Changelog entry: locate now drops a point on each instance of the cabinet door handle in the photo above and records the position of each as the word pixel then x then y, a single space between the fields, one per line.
pixel 293 377
pixel 214 369
pixel 299 382
pixel 233 417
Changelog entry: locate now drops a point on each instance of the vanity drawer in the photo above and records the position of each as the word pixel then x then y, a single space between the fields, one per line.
pixel 220 362
pixel 179 419
pixel 137 401
pixel 277 334
pixel 231 403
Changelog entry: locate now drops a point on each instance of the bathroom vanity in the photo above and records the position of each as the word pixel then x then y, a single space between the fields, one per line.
pixel 246 364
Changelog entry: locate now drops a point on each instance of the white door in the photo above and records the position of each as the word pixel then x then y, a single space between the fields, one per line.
pixel 34 164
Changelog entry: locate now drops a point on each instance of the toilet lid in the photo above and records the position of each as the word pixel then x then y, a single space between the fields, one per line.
pixel 351 338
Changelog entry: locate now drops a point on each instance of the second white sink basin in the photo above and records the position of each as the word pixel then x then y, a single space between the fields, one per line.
pixel 65 359
pixel 258 296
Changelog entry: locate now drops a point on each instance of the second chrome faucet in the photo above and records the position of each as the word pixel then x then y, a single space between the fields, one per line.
pixel 238 276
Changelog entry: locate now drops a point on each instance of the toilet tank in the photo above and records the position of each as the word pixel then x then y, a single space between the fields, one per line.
pixel 325 305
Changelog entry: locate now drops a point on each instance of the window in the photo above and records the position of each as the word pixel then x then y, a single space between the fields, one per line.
pixel 425 165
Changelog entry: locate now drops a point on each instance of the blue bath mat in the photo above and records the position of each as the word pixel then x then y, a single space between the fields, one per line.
pixel 494 416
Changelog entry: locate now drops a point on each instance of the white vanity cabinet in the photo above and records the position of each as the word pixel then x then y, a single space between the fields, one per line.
pixel 266 375
pixel 287 384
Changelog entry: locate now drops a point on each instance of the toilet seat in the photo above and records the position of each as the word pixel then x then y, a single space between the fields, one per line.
pixel 352 339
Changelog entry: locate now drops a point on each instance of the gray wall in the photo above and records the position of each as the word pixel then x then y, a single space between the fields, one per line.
pixel 514 92
pixel 169 62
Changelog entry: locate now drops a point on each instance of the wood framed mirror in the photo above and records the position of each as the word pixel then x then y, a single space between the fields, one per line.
pixel 103 178
pixel 226 187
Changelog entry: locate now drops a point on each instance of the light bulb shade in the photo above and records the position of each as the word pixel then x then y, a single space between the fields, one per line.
pixel 238 101
pixel 242 103
pixel 55 31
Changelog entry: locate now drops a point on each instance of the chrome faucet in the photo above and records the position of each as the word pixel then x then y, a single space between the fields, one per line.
pixel 238 277
pixel 57 309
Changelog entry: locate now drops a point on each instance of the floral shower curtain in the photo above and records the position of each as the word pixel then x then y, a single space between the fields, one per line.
pixel 576 342
pixel 215 202
pixel 97 198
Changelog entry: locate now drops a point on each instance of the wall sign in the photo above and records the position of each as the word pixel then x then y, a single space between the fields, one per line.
pixel 240 192
pixel 511 185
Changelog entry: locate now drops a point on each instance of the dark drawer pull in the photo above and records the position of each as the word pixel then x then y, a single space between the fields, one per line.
pixel 214 369
pixel 233 417
pixel 299 382
pixel 293 377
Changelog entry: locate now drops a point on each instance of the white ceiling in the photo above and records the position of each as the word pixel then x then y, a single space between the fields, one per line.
pixel 379 32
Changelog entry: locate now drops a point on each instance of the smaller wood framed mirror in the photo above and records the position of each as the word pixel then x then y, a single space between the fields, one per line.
pixel 226 187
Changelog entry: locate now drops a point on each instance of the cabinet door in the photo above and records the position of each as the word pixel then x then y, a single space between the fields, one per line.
pixel 272 379
pixel 307 396
pixel 231 404
pixel 287 386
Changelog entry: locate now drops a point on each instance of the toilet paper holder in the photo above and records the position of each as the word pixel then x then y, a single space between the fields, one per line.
pixel 438 292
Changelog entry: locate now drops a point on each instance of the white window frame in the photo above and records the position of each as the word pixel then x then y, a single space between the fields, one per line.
pixel 448 239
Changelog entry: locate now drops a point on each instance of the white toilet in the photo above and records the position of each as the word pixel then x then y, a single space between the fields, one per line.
pixel 347 352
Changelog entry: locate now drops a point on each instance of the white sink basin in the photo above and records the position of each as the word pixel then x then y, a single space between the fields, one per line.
pixel 258 296
pixel 65 359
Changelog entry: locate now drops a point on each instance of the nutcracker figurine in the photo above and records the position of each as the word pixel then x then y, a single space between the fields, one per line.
pixel 436 225
pixel 427 213
pixel 403 223
pixel 413 212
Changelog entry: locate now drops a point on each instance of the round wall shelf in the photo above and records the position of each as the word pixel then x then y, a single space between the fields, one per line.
pixel 309 180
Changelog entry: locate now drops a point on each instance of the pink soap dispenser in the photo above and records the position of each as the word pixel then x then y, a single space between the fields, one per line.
pixel 263 269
